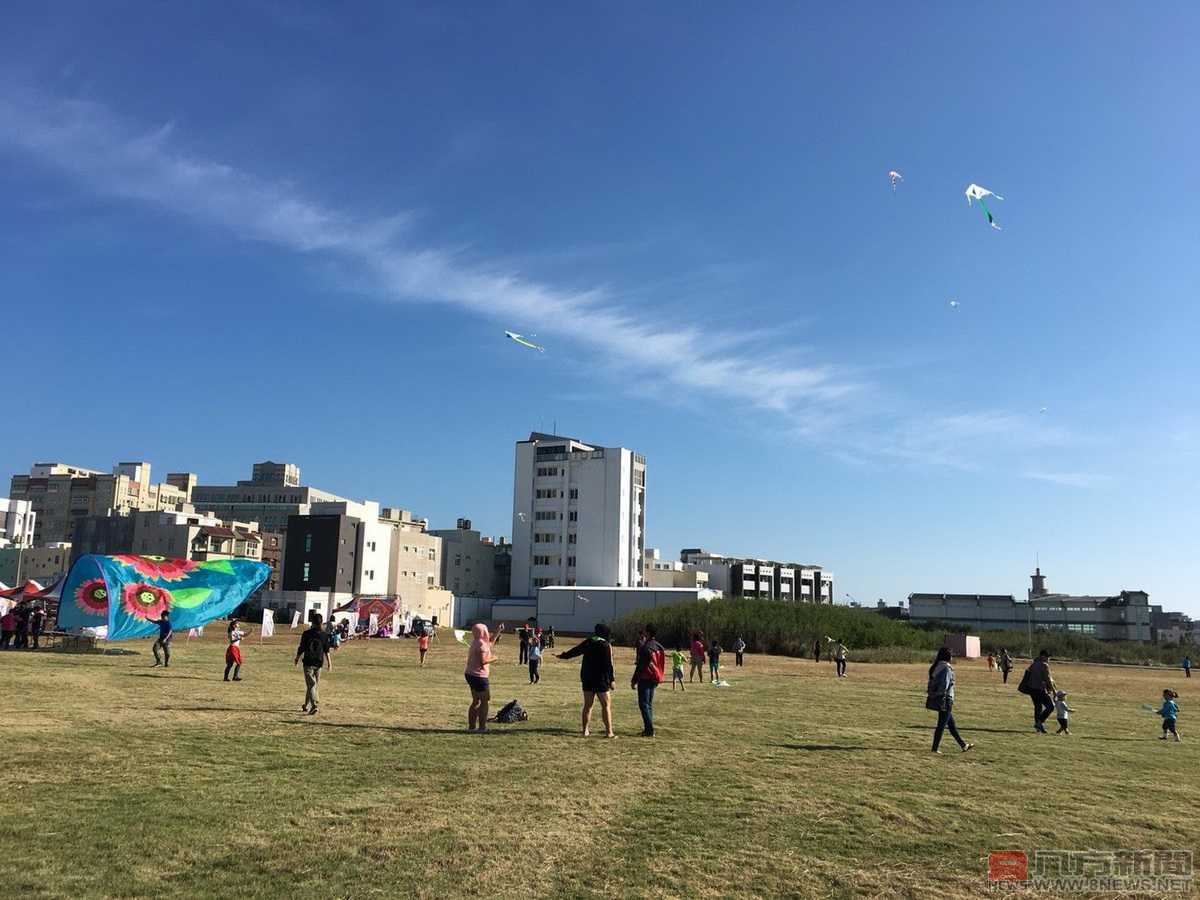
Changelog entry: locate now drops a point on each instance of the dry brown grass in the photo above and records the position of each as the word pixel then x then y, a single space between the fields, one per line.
pixel 132 782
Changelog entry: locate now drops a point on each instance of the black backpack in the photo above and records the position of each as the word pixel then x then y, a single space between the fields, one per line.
pixel 1026 685
pixel 512 712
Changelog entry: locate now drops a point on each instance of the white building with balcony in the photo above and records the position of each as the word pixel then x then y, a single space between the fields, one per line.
pixel 579 515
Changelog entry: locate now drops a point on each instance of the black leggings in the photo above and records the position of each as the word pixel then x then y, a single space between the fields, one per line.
pixel 841 666
pixel 946 721
pixel 1169 725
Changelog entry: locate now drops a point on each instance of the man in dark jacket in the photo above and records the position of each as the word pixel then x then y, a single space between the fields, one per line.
pixel 314 650
pixel 1041 689
pixel 647 675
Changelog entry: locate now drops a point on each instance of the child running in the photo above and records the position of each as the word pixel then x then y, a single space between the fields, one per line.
pixel 1062 711
pixel 233 653
pixel 423 647
pixel 1169 712
pixel 677 667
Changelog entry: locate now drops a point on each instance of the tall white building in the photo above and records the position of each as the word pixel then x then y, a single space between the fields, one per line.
pixel 17 520
pixel 579 515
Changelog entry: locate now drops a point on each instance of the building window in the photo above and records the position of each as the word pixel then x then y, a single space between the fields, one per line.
pixel 571 562
pixel 307 572
pixel 574 493
pixel 308 543
pixel 571 538
pixel 573 516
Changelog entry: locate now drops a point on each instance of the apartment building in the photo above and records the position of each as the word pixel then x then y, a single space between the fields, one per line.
pixel 271 497
pixel 765 579
pixel 415 570
pixel 579 515
pixel 671 573
pixel 473 565
pixel 17 523
pixel 61 494
pixel 177 535
pixel 44 565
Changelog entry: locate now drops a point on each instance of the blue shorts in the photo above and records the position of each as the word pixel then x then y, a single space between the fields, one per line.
pixel 478 684
pixel 677 673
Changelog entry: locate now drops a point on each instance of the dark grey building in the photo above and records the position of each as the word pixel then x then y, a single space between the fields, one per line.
pixel 319 554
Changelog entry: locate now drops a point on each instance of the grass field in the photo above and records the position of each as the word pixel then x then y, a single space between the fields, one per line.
pixel 122 780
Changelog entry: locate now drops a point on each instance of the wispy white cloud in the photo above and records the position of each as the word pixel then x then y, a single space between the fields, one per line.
pixel 87 141
pixel 1070 479
pixel 836 407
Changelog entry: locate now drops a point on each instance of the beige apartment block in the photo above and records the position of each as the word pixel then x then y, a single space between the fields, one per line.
pixel 414 568
pixel 44 565
pixel 61 494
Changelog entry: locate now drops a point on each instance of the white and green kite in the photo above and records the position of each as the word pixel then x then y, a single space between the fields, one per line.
pixel 975 192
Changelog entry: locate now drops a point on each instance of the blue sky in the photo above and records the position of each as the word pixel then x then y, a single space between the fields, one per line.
pixel 277 231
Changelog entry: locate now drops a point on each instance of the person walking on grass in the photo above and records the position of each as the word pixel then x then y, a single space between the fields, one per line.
pixel 479 660
pixel 423 648
pixel 817 650
pixel 1169 712
pixel 314 651
pixel 739 649
pixel 1006 664
pixel 233 653
pixel 596 675
pixel 939 696
pixel 523 640
pixel 714 661
pixel 1038 683
pixel 163 641
pixel 1062 712
pixel 676 667
pixel 697 657
pixel 648 675
pixel 1187 667
pixel 840 659
pixel 535 662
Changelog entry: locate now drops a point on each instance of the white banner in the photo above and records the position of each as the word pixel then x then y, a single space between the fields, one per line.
pixel 268 626
pixel 396 625
pixel 373 624
pixel 295 618
pixel 196 632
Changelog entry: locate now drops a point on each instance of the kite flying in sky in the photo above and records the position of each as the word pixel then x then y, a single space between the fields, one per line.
pixel 895 176
pixel 975 192
pixel 954 304
pixel 520 339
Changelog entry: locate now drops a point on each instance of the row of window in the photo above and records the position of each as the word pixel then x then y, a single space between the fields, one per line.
pixel 546 493
pixel 547 471
pixel 546 538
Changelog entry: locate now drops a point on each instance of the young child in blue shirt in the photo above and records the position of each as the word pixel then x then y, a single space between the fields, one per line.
pixel 1169 712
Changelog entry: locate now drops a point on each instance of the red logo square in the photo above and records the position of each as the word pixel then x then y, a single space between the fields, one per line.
pixel 1008 865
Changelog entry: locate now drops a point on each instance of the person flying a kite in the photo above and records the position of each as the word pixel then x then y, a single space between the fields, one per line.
pixel 895 176
pixel 523 341
pixel 975 192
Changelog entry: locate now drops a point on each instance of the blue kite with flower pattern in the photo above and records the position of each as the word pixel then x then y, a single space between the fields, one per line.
pixel 126 593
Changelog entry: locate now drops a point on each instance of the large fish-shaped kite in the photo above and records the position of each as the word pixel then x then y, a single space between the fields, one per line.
pixel 895 176
pixel 520 339
pixel 975 192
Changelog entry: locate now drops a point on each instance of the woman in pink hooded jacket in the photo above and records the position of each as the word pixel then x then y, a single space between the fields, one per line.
pixel 479 657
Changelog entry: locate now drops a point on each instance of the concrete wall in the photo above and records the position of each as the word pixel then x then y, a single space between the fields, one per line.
pixel 577 610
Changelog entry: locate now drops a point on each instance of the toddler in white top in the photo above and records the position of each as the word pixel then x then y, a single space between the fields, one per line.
pixel 1062 711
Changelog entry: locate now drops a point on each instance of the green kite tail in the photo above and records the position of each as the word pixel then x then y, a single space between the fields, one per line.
pixel 987 212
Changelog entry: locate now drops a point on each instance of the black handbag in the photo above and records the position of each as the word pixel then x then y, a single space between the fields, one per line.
pixel 936 702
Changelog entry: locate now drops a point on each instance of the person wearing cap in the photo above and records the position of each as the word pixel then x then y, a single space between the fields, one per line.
pixel 1062 711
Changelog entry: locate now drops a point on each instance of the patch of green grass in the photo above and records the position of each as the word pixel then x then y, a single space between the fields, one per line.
pixel 127 781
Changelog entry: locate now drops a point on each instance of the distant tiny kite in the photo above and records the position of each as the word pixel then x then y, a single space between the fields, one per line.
pixel 521 516
pixel 975 192
pixel 954 304
pixel 1043 410
pixel 520 339
pixel 895 176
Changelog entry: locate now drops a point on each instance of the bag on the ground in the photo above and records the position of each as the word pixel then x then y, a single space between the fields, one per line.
pixel 512 712
pixel 1026 685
